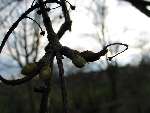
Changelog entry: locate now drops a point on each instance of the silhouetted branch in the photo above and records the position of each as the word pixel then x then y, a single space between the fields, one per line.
pixel 35 22
pixel 89 56
pixel 16 82
pixel 16 24
pixel 67 24
pixel 54 48
pixel 47 22
pixel 141 5
pixel 110 58
pixel 62 82
pixel 64 27
pixel 19 20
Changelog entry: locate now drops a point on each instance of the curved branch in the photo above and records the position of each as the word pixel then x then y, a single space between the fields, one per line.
pixel 16 82
pixel 35 22
pixel 117 43
pixel 16 24
pixel 20 19
pixel 89 56
pixel 110 58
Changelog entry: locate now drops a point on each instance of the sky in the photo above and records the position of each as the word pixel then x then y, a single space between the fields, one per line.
pixel 123 23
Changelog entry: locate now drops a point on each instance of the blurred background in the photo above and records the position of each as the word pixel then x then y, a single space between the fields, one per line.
pixel 119 86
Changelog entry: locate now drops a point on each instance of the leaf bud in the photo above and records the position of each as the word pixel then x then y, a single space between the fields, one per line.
pixel 45 72
pixel 78 61
pixel 72 7
pixel 42 33
pixel 90 56
pixel 29 69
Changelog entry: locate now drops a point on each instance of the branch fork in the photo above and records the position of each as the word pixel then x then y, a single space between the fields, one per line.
pixel 53 49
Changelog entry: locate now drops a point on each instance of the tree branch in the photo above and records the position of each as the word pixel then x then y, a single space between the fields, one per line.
pixel 141 5
pixel 16 24
pixel 62 82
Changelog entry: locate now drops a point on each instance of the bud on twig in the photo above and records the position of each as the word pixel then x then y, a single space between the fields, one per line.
pixel 45 72
pixel 72 7
pixel 42 33
pixel 29 69
pixel 90 56
pixel 78 61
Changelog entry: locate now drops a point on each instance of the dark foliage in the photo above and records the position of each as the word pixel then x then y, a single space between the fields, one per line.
pixel 89 92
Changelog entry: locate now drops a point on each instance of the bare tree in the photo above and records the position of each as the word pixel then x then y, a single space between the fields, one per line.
pixel 24 45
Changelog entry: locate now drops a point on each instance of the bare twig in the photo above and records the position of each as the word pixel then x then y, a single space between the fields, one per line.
pixel 110 58
pixel 35 22
pixel 19 20
pixel 15 25
pixel 62 82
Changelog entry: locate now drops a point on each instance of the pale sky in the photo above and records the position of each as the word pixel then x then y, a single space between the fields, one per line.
pixel 123 22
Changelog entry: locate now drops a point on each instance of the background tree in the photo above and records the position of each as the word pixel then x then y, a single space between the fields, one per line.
pixel 23 47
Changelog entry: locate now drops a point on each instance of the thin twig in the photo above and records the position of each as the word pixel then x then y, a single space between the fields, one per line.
pixel 19 20
pixel 110 58
pixel 62 81
pixel 33 3
pixel 35 22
